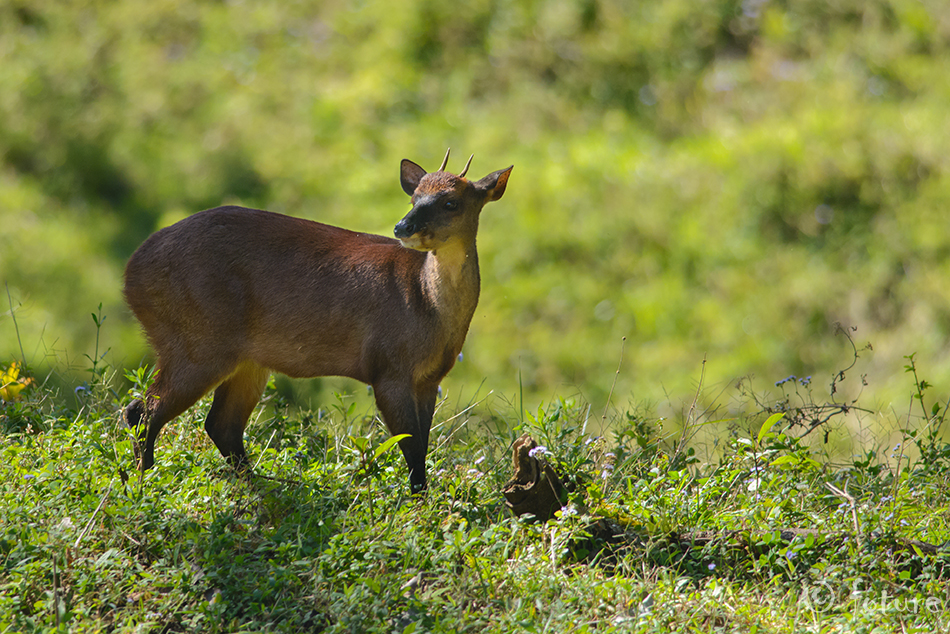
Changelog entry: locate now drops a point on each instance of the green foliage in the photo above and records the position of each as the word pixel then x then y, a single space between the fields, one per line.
pixel 324 536
pixel 728 178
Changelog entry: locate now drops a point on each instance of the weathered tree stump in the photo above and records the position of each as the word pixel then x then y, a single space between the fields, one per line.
pixel 535 487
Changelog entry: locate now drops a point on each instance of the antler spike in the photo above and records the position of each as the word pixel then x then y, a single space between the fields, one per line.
pixel 467 165
pixel 445 161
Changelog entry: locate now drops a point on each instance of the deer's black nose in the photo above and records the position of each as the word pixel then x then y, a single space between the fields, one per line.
pixel 404 229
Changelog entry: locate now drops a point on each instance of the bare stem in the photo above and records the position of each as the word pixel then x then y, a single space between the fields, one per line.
pixel 610 394
pixel 15 326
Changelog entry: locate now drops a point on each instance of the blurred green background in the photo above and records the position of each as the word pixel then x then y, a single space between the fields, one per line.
pixel 705 178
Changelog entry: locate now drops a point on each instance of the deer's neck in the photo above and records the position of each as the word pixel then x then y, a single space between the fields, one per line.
pixel 450 280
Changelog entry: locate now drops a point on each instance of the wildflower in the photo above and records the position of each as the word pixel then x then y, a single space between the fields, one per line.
pixel 11 384
pixel 568 511
pixel 460 357
pixel 480 460
pixel 711 566
pixel 791 377
pixel 805 381
pixel 540 450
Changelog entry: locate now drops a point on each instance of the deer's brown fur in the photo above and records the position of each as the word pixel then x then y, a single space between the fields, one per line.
pixel 228 295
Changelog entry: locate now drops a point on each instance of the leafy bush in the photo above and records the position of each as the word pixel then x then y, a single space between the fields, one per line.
pixel 731 179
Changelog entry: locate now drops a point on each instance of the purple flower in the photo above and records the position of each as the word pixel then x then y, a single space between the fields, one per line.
pixel 540 450
pixel 568 511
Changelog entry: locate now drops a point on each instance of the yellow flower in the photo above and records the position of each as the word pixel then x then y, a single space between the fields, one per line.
pixel 10 384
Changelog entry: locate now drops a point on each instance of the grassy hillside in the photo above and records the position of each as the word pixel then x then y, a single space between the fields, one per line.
pixel 724 179
pixel 652 536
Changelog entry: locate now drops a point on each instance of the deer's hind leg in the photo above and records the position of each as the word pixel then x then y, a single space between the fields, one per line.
pixel 234 401
pixel 175 389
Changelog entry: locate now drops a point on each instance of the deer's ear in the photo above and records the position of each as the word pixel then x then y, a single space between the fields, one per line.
pixel 494 184
pixel 409 175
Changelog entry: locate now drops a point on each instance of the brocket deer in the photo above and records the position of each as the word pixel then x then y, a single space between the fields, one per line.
pixel 228 295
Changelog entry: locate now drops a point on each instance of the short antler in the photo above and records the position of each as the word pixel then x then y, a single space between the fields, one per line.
pixel 467 165
pixel 445 161
pixel 315 300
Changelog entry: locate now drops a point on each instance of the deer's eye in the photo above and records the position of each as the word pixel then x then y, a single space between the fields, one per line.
pixel 450 204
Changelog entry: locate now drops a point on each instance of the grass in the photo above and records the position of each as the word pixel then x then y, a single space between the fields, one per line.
pixel 325 538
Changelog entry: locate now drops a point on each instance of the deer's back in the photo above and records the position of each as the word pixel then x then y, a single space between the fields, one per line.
pixel 297 296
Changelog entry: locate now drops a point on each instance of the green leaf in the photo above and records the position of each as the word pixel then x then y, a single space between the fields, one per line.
pixel 767 425
pixel 784 460
pixel 386 446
